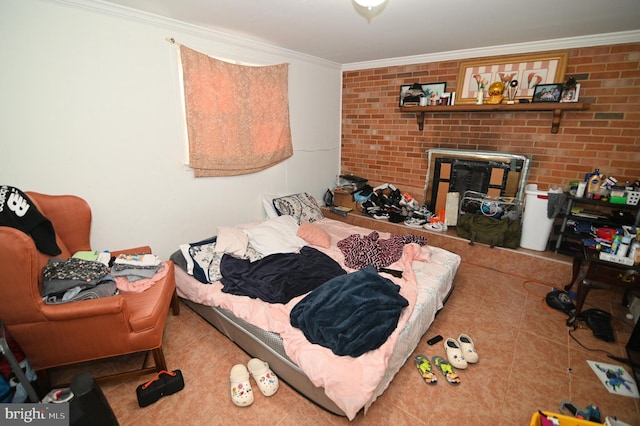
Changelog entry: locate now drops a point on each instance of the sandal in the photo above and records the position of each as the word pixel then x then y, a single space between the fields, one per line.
pixel 265 378
pixel 468 350
pixel 241 392
pixel 424 367
pixel 446 369
pixel 454 354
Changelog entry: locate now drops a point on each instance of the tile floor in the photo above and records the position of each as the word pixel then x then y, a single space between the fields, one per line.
pixel 528 361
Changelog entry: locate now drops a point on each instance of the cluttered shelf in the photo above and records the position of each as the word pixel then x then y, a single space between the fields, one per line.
pixel 595 220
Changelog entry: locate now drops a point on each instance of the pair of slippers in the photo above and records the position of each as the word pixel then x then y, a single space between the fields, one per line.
pixel 241 390
pixel 425 367
pixel 459 352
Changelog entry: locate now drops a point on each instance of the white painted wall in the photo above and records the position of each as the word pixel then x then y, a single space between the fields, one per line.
pixel 90 106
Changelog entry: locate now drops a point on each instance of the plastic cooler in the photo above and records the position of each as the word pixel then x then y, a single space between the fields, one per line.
pixel 536 226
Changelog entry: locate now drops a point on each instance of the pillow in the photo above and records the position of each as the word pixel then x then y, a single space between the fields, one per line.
pixel 267 203
pixel 314 234
pixel 276 235
pixel 231 240
pixel 301 206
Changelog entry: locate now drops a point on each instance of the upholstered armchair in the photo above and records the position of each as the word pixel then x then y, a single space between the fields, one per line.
pixel 53 335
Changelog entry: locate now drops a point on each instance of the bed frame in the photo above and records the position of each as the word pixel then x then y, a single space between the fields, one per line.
pixel 269 347
pixel 266 346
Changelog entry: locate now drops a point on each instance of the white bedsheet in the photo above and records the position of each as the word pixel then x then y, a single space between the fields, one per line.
pixel 352 383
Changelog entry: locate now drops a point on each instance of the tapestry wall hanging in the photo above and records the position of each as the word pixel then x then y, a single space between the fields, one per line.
pixel 237 115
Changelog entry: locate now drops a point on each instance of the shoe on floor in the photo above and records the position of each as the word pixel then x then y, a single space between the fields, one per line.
pixel 414 222
pixel 435 226
pixel 468 350
pixel 241 392
pixel 446 369
pixel 381 216
pixel 423 365
pixel 266 379
pixel 454 354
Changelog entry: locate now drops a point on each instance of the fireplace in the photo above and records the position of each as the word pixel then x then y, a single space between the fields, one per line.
pixel 493 173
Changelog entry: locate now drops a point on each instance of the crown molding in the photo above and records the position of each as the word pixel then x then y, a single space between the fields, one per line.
pixel 507 49
pixel 111 9
pixel 102 7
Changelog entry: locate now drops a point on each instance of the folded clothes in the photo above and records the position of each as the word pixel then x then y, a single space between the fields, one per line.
pixel 133 273
pixel 137 284
pixel 137 260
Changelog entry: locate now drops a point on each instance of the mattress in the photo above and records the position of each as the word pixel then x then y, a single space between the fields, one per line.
pixel 432 273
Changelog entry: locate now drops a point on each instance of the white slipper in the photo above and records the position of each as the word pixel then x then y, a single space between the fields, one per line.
pixel 265 378
pixel 241 392
pixel 454 354
pixel 468 350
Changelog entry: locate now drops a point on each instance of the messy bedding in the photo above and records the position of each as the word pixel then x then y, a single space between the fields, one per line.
pixel 349 304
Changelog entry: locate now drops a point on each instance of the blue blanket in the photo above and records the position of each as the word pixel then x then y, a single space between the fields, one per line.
pixel 350 314
pixel 280 277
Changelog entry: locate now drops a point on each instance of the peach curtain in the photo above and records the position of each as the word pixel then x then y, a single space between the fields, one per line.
pixel 237 116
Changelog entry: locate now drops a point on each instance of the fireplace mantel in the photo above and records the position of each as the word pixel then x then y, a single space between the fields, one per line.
pixel 556 108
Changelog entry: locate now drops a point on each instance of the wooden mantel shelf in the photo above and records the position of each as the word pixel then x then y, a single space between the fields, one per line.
pixel 556 108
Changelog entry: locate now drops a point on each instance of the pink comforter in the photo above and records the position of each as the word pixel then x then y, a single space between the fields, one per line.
pixel 349 382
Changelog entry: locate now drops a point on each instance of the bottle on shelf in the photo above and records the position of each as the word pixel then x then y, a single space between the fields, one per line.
pixel 623 246
pixel 594 183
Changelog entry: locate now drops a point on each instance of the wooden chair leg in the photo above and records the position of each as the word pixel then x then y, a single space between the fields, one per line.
pixel 158 357
pixel 175 303
pixel 44 379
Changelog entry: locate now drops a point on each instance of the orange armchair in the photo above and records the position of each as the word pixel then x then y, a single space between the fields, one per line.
pixel 69 333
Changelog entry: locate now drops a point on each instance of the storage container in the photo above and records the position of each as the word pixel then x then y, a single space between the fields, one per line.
pixel 536 226
pixel 564 420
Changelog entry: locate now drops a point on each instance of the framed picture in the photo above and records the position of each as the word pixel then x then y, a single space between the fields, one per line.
pixel 547 92
pixel 528 70
pixel 410 94
pixel 571 95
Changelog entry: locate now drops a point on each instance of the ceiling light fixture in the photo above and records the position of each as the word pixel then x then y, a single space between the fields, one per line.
pixel 369 8
pixel 370 4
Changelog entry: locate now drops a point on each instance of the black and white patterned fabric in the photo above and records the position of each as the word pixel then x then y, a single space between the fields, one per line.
pixel 301 206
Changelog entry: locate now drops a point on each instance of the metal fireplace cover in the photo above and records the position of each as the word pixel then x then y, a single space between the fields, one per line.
pixel 518 163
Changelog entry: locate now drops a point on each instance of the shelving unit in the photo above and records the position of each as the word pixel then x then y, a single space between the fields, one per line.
pixel 599 221
pixel 556 108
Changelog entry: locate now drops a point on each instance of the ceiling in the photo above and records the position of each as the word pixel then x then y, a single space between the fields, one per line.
pixel 334 30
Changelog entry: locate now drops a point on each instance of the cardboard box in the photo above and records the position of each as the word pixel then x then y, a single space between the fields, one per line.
pixel 344 199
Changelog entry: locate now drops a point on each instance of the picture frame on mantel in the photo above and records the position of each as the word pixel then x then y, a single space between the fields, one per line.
pixel 547 92
pixel 410 94
pixel 571 95
pixel 528 70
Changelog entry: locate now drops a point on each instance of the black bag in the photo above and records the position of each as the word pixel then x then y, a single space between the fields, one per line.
pixel 165 383
pixel 478 228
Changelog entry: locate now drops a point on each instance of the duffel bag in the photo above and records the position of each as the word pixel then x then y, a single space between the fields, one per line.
pixel 478 228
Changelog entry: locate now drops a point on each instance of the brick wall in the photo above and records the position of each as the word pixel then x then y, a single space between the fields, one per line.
pixel 383 144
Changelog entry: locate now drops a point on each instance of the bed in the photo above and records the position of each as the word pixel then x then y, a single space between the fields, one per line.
pixel 342 384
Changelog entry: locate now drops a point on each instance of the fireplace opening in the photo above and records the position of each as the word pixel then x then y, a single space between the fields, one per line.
pixel 493 173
